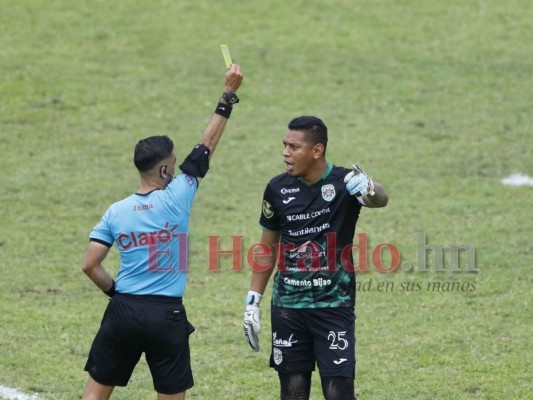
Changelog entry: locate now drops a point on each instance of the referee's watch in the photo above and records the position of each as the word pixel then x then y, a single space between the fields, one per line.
pixel 230 98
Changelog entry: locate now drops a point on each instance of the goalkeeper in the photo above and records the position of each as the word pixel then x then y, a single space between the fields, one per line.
pixel 313 204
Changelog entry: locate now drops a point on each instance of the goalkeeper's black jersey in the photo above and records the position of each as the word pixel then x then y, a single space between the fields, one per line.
pixel 317 225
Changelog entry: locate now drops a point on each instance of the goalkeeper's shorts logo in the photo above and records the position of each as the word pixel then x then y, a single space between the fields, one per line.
pixel 279 342
pixel 277 355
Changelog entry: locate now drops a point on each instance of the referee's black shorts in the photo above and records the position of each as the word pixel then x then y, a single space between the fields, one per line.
pixel 303 338
pixel 155 325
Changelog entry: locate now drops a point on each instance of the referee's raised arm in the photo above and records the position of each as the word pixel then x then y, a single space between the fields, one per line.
pixel 218 121
pixel 196 164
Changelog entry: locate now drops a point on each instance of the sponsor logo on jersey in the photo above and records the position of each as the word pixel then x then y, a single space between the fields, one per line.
pixel 308 230
pixel 307 249
pixel 317 282
pixel 133 239
pixel 289 200
pixel 143 207
pixel 328 192
pixel 308 215
pixel 267 209
pixel 290 190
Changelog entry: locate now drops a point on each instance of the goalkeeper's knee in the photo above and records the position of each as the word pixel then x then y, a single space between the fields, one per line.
pixel 338 388
pixel 295 386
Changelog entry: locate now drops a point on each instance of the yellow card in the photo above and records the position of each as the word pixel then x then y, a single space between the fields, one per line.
pixel 227 56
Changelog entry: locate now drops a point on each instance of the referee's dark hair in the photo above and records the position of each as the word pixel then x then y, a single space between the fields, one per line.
pixel 150 151
pixel 314 128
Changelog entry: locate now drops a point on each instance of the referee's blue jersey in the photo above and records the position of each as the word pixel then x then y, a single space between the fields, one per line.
pixel 151 232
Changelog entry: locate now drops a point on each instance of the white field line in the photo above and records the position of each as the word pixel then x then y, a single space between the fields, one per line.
pixel 14 394
pixel 518 180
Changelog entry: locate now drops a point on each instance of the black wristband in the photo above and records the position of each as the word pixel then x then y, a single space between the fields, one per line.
pixel 111 292
pixel 223 109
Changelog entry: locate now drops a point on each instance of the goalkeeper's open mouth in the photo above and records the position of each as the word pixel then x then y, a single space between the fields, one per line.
pixel 289 167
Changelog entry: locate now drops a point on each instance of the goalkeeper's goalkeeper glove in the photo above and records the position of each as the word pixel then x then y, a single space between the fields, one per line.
pixel 252 317
pixel 358 183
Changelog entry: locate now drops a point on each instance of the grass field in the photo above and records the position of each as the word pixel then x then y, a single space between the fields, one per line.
pixel 432 98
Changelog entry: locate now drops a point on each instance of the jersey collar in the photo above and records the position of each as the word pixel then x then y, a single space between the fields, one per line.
pixel 329 167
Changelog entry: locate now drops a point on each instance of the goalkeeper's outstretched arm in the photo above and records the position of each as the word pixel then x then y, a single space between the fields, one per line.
pixel 369 192
pixel 379 199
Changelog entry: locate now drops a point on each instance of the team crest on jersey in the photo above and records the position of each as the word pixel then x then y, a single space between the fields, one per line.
pixel 267 209
pixel 328 192
pixel 277 355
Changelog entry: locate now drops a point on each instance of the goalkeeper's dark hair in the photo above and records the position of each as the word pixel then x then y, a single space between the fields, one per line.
pixel 150 151
pixel 314 128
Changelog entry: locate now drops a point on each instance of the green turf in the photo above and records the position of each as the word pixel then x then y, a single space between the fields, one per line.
pixel 432 98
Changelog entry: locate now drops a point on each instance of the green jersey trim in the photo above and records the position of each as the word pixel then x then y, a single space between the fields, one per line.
pixel 326 173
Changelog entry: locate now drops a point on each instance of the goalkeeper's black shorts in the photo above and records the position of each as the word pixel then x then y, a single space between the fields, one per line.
pixel 155 325
pixel 304 337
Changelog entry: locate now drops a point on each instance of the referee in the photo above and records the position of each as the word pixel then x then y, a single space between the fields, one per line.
pixel 150 229
pixel 308 217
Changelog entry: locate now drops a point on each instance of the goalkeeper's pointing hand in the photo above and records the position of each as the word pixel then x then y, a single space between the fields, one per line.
pixel 252 317
pixel 358 183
